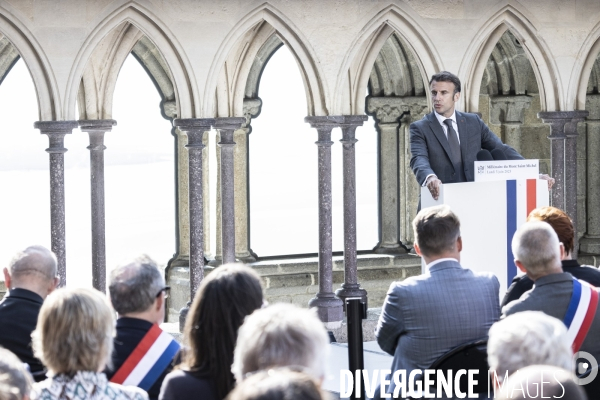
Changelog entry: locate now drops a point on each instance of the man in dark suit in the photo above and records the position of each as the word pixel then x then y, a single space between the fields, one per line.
pixel 538 253
pixel 29 278
pixel 563 226
pixel 444 144
pixel 425 316
pixel 138 293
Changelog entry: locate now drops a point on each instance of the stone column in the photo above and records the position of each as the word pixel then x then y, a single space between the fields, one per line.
pixel 329 307
pixel 226 127
pixel 571 171
pixel 56 131
pixel 509 111
pixel 557 121
pixel 350 287
pixel 387 112
pixel 590 242
pixel 195 128
pixel 563 136
pixel 96 130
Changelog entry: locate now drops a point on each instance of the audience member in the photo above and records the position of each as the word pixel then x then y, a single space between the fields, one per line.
pixel 74 339
pixel 278 384
pixel 425 316
pixel 29 278
pixel 226 296
pixel 281 335
pixel 15 380
pixel 538 253
pixel 563 226
pixel 542 382
pixel 138 293
pixel 527 338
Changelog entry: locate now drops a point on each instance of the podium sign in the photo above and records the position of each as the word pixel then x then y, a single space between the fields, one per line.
pixel 490 213
pixel 503 170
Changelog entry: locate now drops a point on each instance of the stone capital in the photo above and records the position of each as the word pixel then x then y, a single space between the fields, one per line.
pixel 563 124
pixel 509 109
pixel 194 124
pixel 229 123
pixel 388 110
pixel 96 125
pixel 56 131
pixel 251 109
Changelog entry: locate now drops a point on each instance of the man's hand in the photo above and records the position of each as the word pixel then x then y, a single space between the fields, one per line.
pixel 546 178
pixel 433 184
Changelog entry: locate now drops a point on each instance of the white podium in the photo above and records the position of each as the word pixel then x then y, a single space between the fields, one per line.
pixel 490 213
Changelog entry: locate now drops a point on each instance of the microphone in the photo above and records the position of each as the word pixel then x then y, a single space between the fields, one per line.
pixel 499 154
pixel 484 155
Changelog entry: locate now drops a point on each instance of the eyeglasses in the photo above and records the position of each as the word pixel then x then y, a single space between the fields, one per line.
pixel 166 290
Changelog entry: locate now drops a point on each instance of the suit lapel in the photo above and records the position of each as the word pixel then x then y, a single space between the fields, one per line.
pixel 439 133
pixel 462 134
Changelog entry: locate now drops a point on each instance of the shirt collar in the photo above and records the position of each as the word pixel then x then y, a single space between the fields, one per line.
pixel 431 264
pixel 441 118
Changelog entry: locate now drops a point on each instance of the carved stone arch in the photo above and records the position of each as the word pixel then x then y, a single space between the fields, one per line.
pixel 539 55
pixel 508 70
pixel 585 78
pixel 391 28
pixel 235 59
pixel 132 28
pixel 17 41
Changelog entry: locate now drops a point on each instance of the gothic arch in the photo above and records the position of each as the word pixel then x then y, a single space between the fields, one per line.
pixel 116 35
pixel 589 52
pixel 233 65
pixel 34 57
pixel 359 61
pixel 473 66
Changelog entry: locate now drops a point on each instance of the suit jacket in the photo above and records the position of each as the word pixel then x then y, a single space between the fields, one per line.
pixel 130 331
pixel 522 283
pixel 425 316
pixel 551 294
pixel 18 317
pixel 431 152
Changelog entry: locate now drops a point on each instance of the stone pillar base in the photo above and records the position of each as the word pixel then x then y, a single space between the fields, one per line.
pixel 329 309
pixel 349 290
pixel 589 244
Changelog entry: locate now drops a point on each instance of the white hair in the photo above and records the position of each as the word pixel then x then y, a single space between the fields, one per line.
pixel 278 336
pixel 528 338
pixel 536 246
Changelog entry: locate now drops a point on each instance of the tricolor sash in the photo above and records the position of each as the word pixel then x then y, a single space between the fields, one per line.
pixel 581 312
pixel 148 360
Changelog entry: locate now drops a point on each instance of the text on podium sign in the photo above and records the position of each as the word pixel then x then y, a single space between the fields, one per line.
pixel 503 170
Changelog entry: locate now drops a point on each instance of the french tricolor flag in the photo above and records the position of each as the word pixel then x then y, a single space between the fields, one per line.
pixel 148 360
pixel 581 312
pixel 521 199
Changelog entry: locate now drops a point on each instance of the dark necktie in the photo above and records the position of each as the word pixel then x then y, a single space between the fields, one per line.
pixel 454 149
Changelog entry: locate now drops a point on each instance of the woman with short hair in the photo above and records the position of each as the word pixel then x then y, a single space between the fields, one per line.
pixel 225 297
pixel 74 340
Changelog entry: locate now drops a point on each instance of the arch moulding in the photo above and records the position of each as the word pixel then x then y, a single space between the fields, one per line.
pixel 39 67
pixel 244 41
pixel 583 68
pixel 473 66
pixel 186 96
pixel 358 62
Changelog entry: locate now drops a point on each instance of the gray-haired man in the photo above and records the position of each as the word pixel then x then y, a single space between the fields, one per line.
pixel 143 353
pixel 30 277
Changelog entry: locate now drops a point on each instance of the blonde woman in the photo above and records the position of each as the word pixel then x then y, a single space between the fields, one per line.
pixel 74 340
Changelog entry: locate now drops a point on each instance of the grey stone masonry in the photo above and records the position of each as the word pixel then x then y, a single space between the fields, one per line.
pixel 96 130
pixel 509 111
pixel 563 136
pixel 226 127
pixel 56 131
pixel 590 242
pixel 350 287
pixel 329 307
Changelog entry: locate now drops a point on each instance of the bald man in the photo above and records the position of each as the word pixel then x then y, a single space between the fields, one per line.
pixel 29 278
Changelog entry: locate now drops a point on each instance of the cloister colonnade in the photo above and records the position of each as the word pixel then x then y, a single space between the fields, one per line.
pixel 529 68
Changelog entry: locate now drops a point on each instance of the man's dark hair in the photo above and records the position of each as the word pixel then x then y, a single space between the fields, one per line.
pixel 436 230
pixel 446 76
